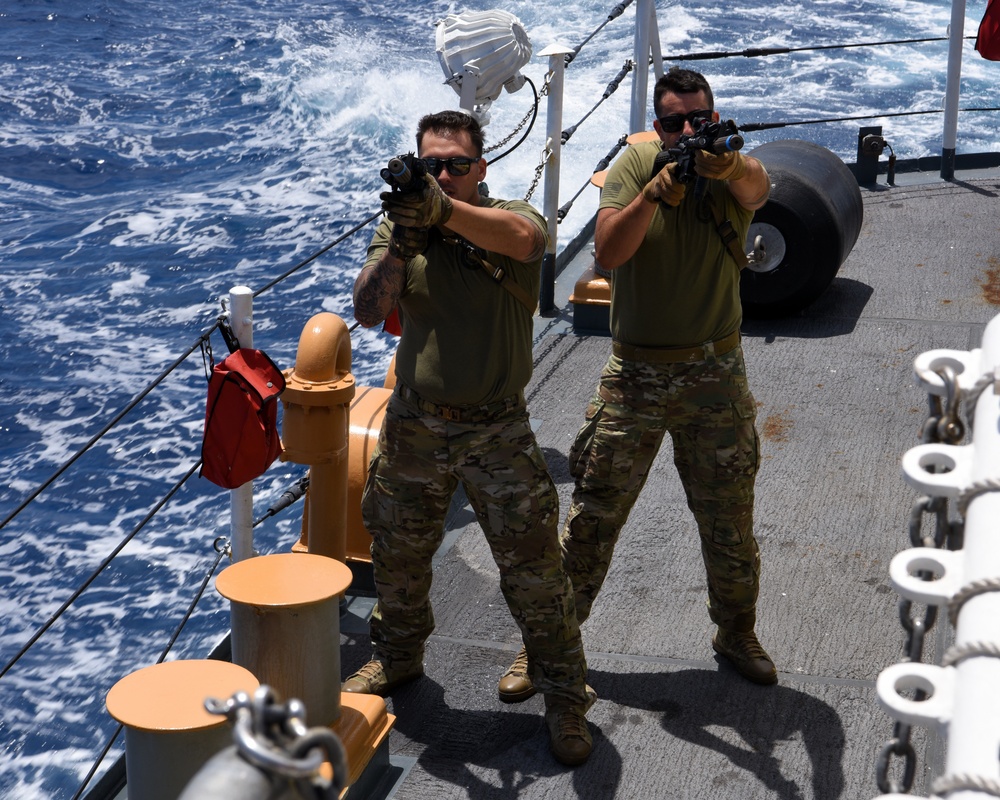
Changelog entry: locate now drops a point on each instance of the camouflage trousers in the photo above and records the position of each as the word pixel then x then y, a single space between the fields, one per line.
pixel 709 411
pixel 414 471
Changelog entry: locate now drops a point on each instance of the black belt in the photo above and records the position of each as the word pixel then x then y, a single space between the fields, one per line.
pixel 676 355
pixel 484 413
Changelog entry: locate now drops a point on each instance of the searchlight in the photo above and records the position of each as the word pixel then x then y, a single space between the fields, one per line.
pixel 482 52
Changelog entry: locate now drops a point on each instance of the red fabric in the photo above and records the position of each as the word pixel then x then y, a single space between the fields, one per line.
pixel 988 39
pixel 241 426
pixel 392 324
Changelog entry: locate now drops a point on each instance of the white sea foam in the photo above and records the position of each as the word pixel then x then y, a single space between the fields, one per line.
pixel 151 171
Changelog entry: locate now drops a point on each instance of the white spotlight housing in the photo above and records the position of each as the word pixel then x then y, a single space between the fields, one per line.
pixel 482 52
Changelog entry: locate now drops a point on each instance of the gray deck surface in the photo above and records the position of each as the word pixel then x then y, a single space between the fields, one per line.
pixel 837 409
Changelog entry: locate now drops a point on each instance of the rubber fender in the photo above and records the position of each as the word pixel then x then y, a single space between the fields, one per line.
pixel 809 225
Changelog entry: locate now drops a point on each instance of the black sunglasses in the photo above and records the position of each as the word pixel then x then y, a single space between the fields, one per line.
pixel 672 123
pixel 457 166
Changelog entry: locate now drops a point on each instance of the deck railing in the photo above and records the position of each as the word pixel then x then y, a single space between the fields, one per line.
pixel 646 53
pixel 961 696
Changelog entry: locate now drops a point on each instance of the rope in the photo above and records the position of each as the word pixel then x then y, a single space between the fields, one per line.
pixel 977 489
pixel 960 652
pixel 967 592
pixel 763 126
pixel 616 12
pixel 612 88
pixel 317 254
pixel 101 756
pixel 289 496
pixel 755 52
pixel 960 781
pixel 564 209
pixel 985 381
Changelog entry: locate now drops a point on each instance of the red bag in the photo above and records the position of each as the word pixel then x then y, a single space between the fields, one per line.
pixel 988 38
pixel 392 324
pixel 241 419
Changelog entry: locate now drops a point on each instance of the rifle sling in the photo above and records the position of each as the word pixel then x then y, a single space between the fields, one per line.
pixel 499 274
pixel 724 226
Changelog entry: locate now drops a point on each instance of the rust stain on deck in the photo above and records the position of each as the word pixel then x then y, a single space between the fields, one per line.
pixel 991 286
pixel 776 426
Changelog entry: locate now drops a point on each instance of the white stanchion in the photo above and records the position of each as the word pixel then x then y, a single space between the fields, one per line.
pixel 964 692
pixel 241 498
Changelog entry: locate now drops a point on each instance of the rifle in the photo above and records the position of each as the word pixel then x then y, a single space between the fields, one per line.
pixel 712 137
pixel 404 173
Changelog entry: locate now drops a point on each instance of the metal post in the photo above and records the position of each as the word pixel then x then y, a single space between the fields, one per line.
pixel 956 30
pixel 557 67
pixel 645 12
pixel 241 499
pixel 654 43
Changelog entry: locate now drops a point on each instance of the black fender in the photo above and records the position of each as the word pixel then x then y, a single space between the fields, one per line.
pixel 809 225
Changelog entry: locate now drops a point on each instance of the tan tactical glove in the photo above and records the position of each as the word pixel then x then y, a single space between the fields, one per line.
pixel 406 243
pixel 726 167
pixel 429 206
pixel 665 187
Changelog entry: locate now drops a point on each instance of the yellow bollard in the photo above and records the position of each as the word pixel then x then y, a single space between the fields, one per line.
pixel 316 403
pixel 285 615
pixel 169 735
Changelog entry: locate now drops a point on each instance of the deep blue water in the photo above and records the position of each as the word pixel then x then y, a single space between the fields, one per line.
pixel 154 154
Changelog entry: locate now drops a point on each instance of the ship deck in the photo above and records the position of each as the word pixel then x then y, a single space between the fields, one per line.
pixel 837 409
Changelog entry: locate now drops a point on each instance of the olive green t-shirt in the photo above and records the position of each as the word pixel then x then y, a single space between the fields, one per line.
pixel 682 287
pixel 466 340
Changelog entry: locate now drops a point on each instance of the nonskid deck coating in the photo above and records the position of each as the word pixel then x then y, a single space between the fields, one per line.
pixel 837 409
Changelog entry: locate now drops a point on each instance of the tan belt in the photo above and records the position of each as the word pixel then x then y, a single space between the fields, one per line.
pixel 676 355
pixel 484 413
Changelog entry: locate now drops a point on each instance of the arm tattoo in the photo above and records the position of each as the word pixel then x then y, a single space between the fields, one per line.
pixel 377 290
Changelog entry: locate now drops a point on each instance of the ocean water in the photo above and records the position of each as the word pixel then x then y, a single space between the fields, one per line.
pixel 153 155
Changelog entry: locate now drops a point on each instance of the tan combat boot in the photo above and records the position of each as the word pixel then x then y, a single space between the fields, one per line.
pixel 376 678
pixel 569 736
pixel 515 685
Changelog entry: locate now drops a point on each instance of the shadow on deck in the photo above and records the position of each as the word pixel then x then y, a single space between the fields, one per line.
pixel 837 409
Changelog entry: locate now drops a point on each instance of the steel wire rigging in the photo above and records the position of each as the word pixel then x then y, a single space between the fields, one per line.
pixel 298 490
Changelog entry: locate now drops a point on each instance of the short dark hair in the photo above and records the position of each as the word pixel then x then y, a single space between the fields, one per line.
pixel 681 81
pixel 452 122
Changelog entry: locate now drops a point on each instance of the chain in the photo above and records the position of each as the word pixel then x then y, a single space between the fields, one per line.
pixel 273 737
pixel 207 359
pixel 523 122
pixel 943 424
pixel 546 153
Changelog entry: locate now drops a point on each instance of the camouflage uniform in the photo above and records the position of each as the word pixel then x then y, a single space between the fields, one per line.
pixel 709 411
pixel 458 415
pixel 676 365
pixel 414 472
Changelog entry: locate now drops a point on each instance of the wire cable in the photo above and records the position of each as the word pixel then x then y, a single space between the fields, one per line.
pixel 62 609
pixel 317 254
pixel 117 418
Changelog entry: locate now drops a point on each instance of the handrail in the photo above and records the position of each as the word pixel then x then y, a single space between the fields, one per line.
pixel 961 695
pixel 651 56
pixel 646 52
